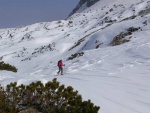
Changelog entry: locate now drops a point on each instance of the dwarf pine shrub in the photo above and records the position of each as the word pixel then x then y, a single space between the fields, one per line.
pixel 8 67
pixel 49 98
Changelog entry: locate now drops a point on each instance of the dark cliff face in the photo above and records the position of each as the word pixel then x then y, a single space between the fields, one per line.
pixel 91 2
pixel 88 4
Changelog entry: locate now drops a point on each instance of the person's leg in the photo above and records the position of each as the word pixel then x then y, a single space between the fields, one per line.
pixel 61 70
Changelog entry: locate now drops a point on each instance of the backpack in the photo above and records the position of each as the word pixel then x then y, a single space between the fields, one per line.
pixel 58 63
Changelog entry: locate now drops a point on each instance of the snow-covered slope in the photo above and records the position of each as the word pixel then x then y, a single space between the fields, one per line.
pixel 113 72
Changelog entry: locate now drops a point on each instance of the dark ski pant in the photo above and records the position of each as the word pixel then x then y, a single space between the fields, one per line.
pixel 60 70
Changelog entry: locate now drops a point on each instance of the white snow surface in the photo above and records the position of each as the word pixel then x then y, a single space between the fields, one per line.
pixel 116 78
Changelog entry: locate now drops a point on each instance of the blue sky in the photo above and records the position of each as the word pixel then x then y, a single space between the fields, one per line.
pixel 17 13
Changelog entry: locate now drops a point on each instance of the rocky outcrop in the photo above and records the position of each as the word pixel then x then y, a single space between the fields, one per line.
pixel 144 12
pixel 122 37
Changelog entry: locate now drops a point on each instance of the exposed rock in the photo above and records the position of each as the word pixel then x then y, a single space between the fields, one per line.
pixel 75 55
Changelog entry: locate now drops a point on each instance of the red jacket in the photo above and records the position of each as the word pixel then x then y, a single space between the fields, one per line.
pixel 60 64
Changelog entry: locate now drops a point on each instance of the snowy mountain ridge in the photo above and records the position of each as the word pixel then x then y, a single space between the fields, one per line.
pixel 109 44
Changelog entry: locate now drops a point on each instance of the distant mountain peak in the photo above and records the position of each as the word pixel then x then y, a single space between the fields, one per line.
pixel 88 3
